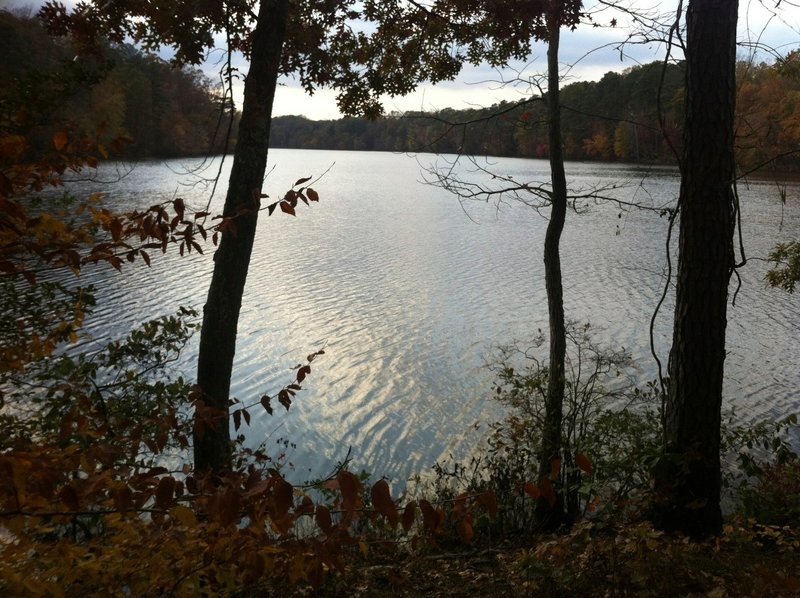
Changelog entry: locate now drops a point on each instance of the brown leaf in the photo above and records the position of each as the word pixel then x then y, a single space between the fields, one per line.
pixel 69 497
pixel 546 488
pixel 123 499
pixel 287 208
pixel 351 489
pixel 409 514
pixel 583 462
pixel 165 491
pixel 115 226
pixel 284 497
pixel 323 517
pixel 312 195
pixel 303 372
pixel 532 490
pixel 489 501
pixel 229 507
pixel 265 402
pixel 60 140
pixel 301 181
pixel 382 500
pixel 465 531
pixel 430 518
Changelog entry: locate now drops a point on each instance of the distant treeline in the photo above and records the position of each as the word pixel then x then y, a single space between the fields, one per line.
pixel 162 111
pixel 633 116
pixel 618 118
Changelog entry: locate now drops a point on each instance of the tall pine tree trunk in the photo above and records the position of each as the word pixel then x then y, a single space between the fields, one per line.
pixel 212 443
pixel 549 509
pixel 688 483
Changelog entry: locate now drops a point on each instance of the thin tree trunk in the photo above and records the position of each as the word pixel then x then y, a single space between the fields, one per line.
pixel 688 484
pixel 212 443
pixel 549 516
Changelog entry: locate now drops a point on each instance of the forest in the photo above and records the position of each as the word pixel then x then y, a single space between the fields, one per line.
pixel 119 476
pixel 614 119
pixel 125 95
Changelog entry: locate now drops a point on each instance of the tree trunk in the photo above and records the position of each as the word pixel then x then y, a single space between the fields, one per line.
pixel 212 443
pixel 549 515
pixel 688 483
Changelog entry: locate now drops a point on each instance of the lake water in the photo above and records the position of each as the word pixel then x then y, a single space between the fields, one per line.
pixel 409 290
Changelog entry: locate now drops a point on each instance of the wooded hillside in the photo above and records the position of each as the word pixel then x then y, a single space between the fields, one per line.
pixel 123 93
pixel 616 118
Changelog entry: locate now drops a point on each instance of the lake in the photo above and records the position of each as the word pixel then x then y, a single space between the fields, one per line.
pixel 409 291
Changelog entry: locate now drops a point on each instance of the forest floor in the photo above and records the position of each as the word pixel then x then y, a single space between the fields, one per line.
pixel 747 560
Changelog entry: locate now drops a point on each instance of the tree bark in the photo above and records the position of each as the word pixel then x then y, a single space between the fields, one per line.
pixel 689 480
pixel 212 442
pixel 548 515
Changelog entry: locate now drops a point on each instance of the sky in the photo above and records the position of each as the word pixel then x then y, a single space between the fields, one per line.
pixel 587 54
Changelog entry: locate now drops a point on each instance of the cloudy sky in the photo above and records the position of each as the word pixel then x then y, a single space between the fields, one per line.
pixel 587 54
